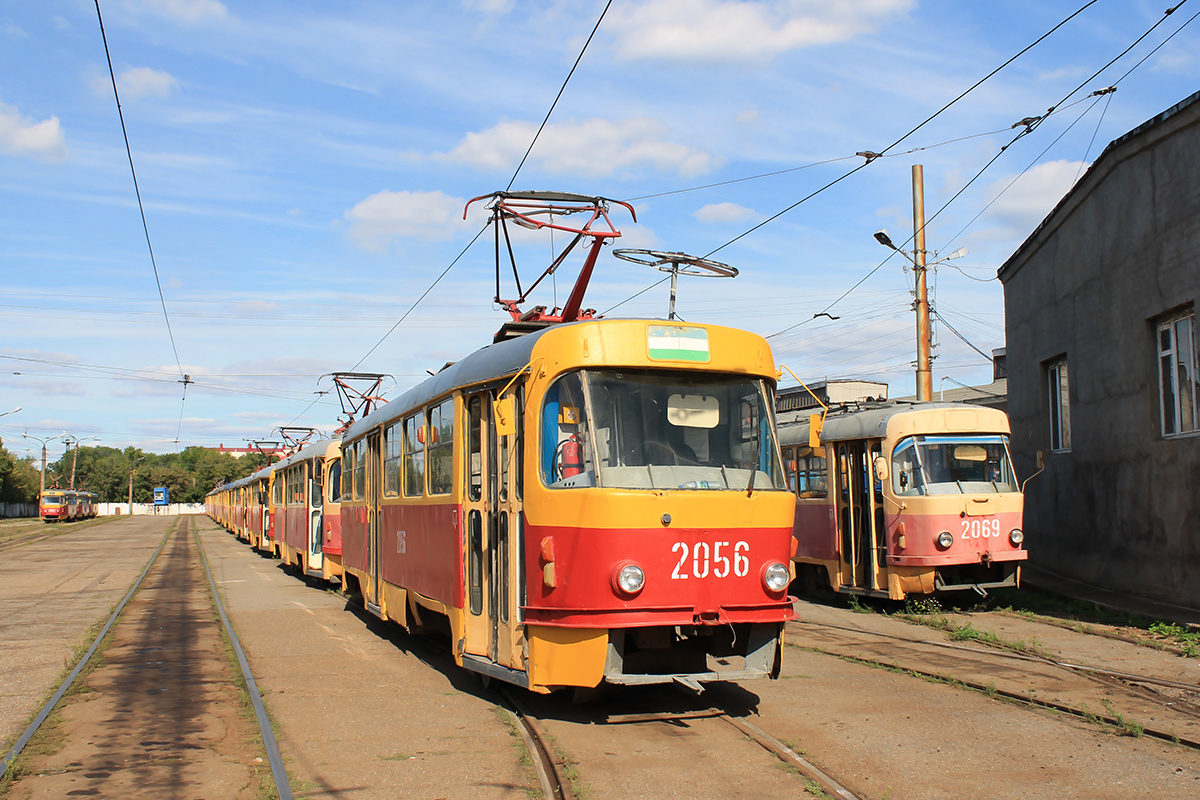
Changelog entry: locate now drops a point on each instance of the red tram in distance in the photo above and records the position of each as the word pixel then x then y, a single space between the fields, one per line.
pixel 896 499
pixel 67 505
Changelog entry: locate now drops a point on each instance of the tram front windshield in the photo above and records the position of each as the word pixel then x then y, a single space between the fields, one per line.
pixel 659 430
pixel 53 500
pixel 927 465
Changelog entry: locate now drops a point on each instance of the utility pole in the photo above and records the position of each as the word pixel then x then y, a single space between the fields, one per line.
pixel 133 467
pixel 43 442
pixel 924 332
pixel 75 457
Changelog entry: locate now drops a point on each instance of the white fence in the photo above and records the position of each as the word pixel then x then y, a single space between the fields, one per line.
pixel 144 509
pixel 18 509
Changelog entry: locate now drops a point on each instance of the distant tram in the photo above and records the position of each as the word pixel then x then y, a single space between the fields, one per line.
pixel 899 499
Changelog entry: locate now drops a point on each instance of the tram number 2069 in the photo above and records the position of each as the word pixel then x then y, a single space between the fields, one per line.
pixel 698 560
pixel 978 528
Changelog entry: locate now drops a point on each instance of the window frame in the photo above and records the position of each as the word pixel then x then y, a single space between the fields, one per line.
pixel 1179 424
pixel 412 481
pixel 1058 398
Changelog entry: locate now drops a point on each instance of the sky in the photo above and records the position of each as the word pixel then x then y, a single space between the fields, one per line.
pixel 304 166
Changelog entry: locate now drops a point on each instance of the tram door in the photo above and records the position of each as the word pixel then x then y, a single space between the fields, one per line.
pixel 374 557
pixel 860 514
pixel 492 537
pixel 315 507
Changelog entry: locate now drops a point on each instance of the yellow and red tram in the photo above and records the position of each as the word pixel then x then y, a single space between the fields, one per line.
pixel 309 531
pixel 897 499
pixel 601 501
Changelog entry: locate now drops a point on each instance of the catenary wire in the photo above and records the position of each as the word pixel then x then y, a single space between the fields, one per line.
pixel 562 89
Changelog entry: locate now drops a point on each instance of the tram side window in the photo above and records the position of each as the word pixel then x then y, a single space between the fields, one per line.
pixel 414 455
pixel 566 454
pixel 392 460
pixel 475 448
pixel 359 470
pixel 333 491
pixel 811 473
pixel 441 447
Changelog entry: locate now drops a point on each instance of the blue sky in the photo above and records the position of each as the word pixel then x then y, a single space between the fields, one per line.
pixel 304 168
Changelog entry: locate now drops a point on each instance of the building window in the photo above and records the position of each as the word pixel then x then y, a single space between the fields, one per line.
pixel 1177 376
pixel 1060 405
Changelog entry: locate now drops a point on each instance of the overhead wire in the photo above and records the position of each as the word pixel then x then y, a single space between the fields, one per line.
pixel 870 156
pixel 1031 124
pixel 557 97
pixel 145 226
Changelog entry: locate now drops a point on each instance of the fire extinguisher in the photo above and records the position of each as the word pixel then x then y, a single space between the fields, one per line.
pixel 571 459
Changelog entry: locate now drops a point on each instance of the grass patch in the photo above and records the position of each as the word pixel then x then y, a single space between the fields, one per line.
pixel 815 789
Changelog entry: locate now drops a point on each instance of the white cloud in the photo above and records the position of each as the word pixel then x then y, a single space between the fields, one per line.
pixel 723 212
pixel 140 82
pixel 23 137
pixel 1023 206
pixel 732 30
pixel 591 148
pixel 386 216
pixel 186 11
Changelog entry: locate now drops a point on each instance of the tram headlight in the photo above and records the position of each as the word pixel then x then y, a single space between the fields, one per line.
pixel 628 579
pixel 776 577
pixel 945 539
pixel 1016 536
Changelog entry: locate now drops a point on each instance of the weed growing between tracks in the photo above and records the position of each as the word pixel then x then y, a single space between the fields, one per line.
pixel 526 757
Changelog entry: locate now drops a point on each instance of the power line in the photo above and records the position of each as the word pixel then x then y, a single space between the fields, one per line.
pixel 141 208
pixel 562 89
pixel 145 227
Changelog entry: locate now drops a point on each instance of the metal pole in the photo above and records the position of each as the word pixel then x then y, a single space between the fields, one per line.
pixel 42 491
pixel 924 333
pixel 74 460
pixel 674 280
pixel 131 469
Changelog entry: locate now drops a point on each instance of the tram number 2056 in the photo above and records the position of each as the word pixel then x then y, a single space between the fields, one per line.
pixel 980 528
pixel 698 560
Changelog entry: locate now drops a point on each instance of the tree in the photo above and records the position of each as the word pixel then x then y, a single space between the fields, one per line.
pixel 18 478
pixel 189 475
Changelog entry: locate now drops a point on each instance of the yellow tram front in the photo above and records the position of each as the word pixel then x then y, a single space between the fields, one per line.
pixel 596 502
pixel 907 498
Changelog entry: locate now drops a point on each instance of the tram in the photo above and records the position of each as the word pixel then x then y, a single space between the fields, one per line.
pixel 308 515
pixel 600 501
pixel 896 499
pixel 57 505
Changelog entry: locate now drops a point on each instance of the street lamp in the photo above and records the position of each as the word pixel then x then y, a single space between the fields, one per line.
pixel 924 330
pixel 6 413
pixel 43 443
pixel 75 457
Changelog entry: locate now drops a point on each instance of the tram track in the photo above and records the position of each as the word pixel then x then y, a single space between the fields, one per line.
pixel 148 728
pixel 1123 700
pixel 43 531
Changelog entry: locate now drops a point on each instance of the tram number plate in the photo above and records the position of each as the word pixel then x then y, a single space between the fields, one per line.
pixel 980 528
pixel 703 558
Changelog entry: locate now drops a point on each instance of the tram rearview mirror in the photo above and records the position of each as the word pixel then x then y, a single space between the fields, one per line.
pixel 970 452
pixel 814 431
pixel 506 420
pixel 881 469
pixel 693 411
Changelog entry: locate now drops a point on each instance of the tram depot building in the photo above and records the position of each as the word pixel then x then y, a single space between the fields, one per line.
pixel 1100 306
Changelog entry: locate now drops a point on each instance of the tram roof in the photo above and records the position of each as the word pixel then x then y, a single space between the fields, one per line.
pixel 314 450
pixel 863 423
pixel 488 363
